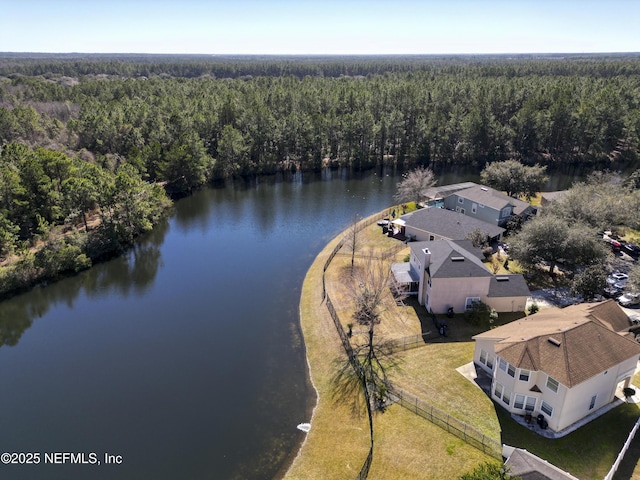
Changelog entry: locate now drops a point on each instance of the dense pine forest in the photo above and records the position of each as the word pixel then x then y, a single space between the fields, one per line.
pixel 94 136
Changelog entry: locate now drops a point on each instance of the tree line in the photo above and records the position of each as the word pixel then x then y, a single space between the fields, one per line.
pixel 97 135
pixel 190 130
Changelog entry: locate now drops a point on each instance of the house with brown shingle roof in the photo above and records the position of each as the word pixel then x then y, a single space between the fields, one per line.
pixel 563 364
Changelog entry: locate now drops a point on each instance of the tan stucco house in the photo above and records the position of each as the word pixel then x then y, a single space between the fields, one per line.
pixel 561 363
pixel 450 274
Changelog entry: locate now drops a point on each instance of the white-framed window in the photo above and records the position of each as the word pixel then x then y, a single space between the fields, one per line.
pixel 518 401
pixel 552 384
pixel 474 207
pixel 593 402
pixel 486 359
pixel 524 402
pixel 524 375
pixel 502 393
pixel 502 364
pixel 507 367
pixel 470 301
pixel 530 405
pixel 546 408
pixel 460 200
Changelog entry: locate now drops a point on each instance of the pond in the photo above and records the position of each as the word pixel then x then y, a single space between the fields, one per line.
pixel 182 358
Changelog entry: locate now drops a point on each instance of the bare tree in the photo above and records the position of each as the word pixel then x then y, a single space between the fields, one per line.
pixel 351 242
pixel 367 366
pixel 414 185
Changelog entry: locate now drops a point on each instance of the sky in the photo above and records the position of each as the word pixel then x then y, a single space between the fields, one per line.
pixel 317 27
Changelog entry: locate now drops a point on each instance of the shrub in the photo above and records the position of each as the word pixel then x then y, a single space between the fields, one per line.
pixel 480 314
pixel 533 308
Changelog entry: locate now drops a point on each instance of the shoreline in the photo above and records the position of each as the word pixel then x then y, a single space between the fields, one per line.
pixel 338 442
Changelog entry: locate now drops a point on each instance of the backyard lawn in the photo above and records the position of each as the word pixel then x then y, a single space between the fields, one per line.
pixel 408 446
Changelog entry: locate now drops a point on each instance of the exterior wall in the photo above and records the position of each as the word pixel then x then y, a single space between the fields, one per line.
pixel 506 304
pixel 482 212
pixel 577 400
pixel 569 404
pixel 453 292
pixel 421 235
pixel 487 346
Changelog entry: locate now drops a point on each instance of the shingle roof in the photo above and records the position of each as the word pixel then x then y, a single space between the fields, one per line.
pixel 508 286
pixel 527 466
pixel 448 224
pixel 444 255
pixel 493 198
pixel 442 191
pixel 571 344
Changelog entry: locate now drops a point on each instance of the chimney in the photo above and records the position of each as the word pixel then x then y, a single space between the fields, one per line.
pixel 427 257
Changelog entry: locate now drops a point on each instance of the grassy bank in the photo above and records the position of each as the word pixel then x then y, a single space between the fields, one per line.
pixel 406 446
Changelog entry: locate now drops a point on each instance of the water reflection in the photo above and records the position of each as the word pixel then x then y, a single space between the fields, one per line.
pixel 131 273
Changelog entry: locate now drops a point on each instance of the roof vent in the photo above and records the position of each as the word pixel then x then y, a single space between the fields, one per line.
pixel 457 259
pixel 555 342
pixel 502 279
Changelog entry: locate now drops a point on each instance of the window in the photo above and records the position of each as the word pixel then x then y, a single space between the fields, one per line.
pixel 486 359
pixel 502 393
pixel 507 367
pixel 524 403
pixel 531 404
pixel 552 384
pixel 519 401
pixel 460 200
pixel 502 364
pixel 470 301
pixel 483 357
pixel 474 207
pixel 431 237
pixel 524 375
pixel 460 210
pixel 592 403
pixel 498 390
pixel 546 408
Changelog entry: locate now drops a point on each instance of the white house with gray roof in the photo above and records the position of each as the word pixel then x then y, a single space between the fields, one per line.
pixel 487 204
pixel 450 274
pixel 441 224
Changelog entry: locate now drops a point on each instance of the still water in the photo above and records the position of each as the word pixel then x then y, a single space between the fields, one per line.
pixel 182 358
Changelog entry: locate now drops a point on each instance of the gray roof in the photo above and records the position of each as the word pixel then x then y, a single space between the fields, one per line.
pixel 493 198
pixel 442 191
pixel 448 224
pixel 552 196
pixel 445 255
pixel 527 466
pixel 508 286
pixel 403 273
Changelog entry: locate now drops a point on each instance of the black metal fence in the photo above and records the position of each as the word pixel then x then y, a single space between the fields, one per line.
pixel 405 399
pixel 447 422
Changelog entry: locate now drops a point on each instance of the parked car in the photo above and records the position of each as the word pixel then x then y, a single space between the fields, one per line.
pixel 621 285
pixel 617 277
pixel 629 299
pixel 631 249
pixel 612 292
pixel 616 246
